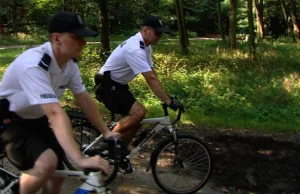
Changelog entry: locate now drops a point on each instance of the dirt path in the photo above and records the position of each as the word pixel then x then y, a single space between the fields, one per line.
pixel 244 163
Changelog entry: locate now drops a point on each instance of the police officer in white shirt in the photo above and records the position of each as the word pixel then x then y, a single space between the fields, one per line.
pixel 129 59
pixel 38 130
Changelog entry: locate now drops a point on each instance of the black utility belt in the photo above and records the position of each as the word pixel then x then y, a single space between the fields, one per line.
pixel 104 81
pixel 118 86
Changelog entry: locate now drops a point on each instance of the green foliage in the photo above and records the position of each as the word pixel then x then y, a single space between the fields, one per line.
pixel 201 16
pixel 219 87
pixel 22 38
pixel 192 34
pixel 222 88
pixel 6 57
pixel 89 65
pixel 40 11
pixel 124 16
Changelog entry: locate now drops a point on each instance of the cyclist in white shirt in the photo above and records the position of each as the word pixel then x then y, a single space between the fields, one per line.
pixel 37 129
pixel 129 59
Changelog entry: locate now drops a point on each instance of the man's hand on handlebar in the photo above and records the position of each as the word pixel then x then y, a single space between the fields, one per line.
pixel 111 134
pixel 95 162
pixel 174 105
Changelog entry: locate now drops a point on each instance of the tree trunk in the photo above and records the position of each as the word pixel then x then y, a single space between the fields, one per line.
pixel 104 29
pixel 181 26
pixel 287 19
pixel 232 23
pixel 220 20
pixel 73 6
pixel 184 22
pixel 251 42
pixel 259 9
pixel 295 19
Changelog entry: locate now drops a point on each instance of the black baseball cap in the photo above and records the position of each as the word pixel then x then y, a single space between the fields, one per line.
pixel 155 23
pixel 69 22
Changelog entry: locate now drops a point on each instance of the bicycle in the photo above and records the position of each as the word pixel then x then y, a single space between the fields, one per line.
pixel 92 179
pixel 186 156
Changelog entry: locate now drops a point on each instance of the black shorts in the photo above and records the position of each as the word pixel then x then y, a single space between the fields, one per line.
pixel 116 98
pixel 26 140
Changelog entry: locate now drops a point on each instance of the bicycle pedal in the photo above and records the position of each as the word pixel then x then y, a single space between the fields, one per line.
pixel 107 191
pixel 104 153
pixel 125 167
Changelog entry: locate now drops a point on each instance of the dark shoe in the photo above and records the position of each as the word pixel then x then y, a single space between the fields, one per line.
pixel 140 137
pixel 125 166
pixel 124 152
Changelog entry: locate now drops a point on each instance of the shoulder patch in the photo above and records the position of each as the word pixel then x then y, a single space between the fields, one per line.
pixel 142 45
pixel 45 62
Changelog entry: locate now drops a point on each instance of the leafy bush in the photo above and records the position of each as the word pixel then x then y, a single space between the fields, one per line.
pixel 219 87
pixel 192 34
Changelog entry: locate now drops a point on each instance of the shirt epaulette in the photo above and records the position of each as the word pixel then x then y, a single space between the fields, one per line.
pixel 142 45
pixel 45 62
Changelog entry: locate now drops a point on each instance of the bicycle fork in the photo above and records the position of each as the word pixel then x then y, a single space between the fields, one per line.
pixel 177 159
pixel 174 138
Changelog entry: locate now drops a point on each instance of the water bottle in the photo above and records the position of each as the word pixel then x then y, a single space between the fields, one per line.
pixel 81 191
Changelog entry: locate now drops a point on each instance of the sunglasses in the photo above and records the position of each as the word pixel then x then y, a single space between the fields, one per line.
pixel 156 32
pixel 75 37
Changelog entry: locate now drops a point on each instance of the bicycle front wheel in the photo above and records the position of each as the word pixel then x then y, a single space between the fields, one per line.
pixel 183 167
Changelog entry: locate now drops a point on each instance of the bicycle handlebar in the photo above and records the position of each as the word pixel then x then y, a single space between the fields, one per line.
pixel 180 110
pixel 113 148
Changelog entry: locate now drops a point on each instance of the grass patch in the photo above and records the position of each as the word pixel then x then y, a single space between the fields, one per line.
pixel 41 35
pixel 6 57
pixel 220 88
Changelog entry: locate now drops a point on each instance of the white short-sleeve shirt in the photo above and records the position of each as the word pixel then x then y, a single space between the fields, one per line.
pixel 129 59
pixel 35 78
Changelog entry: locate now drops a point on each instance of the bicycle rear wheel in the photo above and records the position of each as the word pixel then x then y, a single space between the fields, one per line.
pixel 84 135
pixel 181 168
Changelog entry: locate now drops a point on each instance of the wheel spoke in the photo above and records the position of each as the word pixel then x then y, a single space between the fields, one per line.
pixel 186 173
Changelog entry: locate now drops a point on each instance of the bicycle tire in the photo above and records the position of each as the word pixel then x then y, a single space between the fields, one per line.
pixel 185 169
pixel 81 132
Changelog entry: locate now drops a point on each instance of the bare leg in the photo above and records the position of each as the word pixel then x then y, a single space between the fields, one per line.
pixel 34 179
pixel 128 135
pixel 129 125
pixel 53 185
